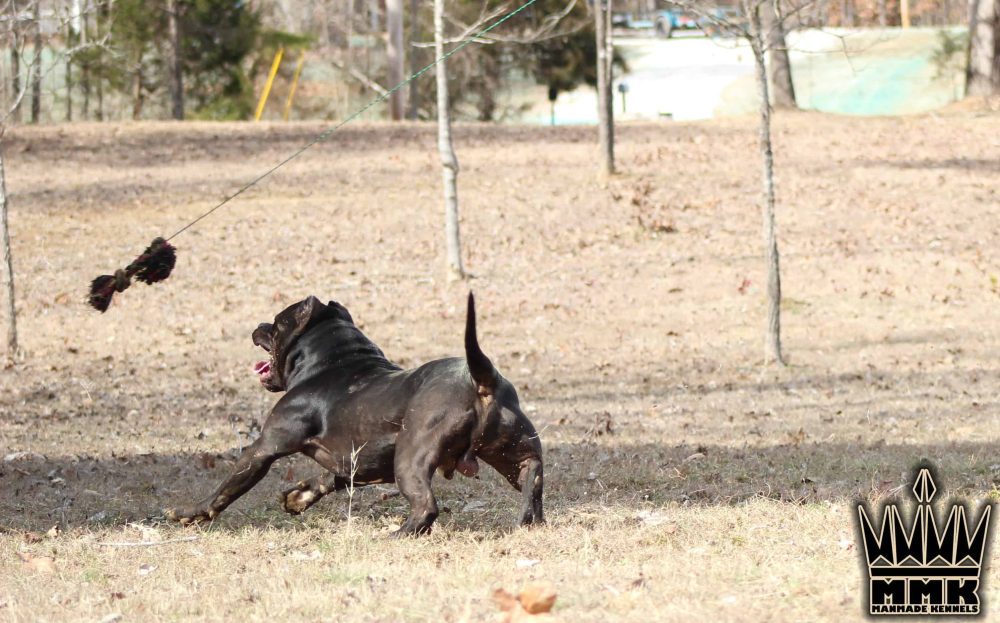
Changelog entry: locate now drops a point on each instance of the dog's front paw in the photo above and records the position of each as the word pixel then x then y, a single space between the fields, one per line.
pixel 410 529
pixel 297 499
pixel 189 515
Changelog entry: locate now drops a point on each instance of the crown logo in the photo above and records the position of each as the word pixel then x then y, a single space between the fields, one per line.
pixel 916 567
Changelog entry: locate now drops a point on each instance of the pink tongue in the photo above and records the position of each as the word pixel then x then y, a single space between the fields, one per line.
pixel 262 367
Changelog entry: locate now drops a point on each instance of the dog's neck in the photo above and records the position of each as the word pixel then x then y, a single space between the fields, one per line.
pixel 333 345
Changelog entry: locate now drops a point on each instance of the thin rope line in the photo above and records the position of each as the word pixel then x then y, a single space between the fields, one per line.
pixel 378 100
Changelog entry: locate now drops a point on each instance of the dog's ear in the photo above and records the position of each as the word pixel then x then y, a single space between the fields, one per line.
pixel 309 312
pixel 341 311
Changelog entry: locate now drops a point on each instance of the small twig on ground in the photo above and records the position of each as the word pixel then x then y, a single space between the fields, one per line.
pixel 182 539
pixel 350 484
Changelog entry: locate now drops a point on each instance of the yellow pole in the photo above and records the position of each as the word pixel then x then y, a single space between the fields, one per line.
pixel 904 13
pixel 268 84
pixel 295 83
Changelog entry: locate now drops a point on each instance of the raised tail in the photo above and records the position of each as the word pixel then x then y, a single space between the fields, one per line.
pixel 480 366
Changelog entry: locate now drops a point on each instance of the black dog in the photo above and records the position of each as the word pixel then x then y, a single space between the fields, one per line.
pixel 344 397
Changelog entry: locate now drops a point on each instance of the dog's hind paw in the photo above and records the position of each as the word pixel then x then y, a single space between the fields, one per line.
pixel 299 498
pixel 189 516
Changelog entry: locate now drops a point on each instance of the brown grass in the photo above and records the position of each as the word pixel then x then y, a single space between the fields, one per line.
pixel 683 479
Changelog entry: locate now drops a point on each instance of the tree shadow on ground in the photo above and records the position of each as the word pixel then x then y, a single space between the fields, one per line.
pixel 988 165
pixel 601 474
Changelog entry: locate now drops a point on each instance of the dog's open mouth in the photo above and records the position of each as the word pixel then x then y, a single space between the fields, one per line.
pixel 263 370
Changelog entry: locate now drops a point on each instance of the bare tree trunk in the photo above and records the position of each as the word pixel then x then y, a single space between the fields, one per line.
pixel 982 74
pixel 69 66
pixel 8 260
pixel 137 92
pixel 69 89
pixel 85 87
pixel 349 54
pixel 781 67
pixel 772 344
pixel 449 162
pixel 373 10
pixel 101 20
pixel 394 53
pixel 15 77
pixel 176 73
pixel 819 14
pixel 847 13
pixel 84 22
pixel 100 98
pixel 605 113
pixel 36 65
pixel 413 108
pixel 882 15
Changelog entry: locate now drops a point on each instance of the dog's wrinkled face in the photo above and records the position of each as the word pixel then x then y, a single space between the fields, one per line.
pixel 278 338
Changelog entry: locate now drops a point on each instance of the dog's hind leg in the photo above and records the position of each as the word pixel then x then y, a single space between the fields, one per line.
pixel 525 475
pixel 419 452
pixel 305 493
pixel 531 479
pixel 518 457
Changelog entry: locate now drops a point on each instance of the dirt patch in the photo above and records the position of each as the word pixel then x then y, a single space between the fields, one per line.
pixel 684 479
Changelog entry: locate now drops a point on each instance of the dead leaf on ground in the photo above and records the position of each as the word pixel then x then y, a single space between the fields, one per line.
pixel 40 564
pixel 206 460
pixel 532 605
pixel 538 598
pixel 303 556
pixel 474 505
pixel 149 534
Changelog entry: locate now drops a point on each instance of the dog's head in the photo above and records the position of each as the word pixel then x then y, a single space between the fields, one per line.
pixel 279 338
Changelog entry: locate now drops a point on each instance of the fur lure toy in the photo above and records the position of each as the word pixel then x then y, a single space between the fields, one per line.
pixel 153 265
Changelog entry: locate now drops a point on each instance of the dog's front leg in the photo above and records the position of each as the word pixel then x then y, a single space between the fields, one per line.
pixel 251 467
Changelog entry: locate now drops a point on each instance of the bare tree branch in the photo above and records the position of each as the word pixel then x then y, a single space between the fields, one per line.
pixel 545 32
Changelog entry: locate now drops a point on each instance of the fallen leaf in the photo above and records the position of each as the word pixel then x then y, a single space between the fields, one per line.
pixel 313 555
pixel 41 564
pixel 53 532
pixel 475 505
pixel 505 600
pixel 537 598
pixel 653 518
pixel 146 569
pixel 524 563
pixel 694 457
pixel 206 460
pixel 18 456
pixel 148 533
pixel 112 618
pixel 532 605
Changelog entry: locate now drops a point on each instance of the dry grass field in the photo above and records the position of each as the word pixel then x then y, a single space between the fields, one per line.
pixel 685 481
